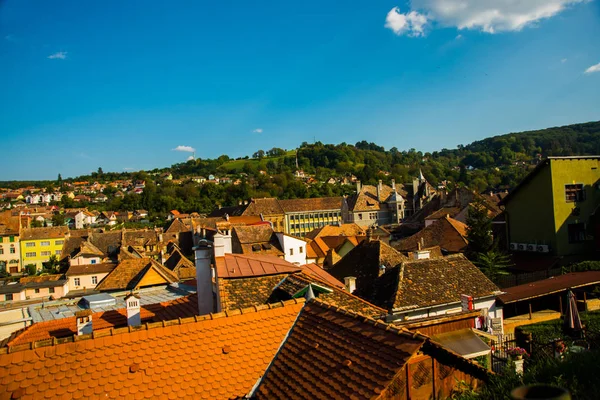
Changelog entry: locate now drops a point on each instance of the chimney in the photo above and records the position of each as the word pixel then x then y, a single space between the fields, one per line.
pixel 84 322
pixel 204 286
pixel 134 317
pixel 245 202
pixel 350 283
pixel 369 234
pixel 379 190
pixel 394 185
pixel 421 254
pixel 222 243
pixel 358 186
pixel 382 269
pixel 226 217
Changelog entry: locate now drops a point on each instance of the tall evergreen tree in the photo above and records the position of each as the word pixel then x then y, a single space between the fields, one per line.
pixel 479 229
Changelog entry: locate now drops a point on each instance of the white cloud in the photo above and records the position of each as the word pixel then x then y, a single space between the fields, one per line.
pixel 411 23
pixel 257 130
pixel 60 55
pixel 489 16
pixel 458 37
pixel 190 158
pixel 187 149
pixel 564 60
pixel 593 68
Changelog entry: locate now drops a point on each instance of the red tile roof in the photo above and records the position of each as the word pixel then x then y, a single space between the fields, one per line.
pixel 214 356
pixel 314 271
pixel 183 307
pixel 240 266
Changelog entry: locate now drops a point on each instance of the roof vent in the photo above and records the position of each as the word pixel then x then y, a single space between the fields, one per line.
pixel 133 368
pixel 226 349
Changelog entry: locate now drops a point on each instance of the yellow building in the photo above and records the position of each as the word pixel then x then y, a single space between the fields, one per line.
pixel 9 243
pixel 38 244
pixel 555 209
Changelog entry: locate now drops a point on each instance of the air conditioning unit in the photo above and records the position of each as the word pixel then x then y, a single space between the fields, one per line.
pixel 543 248
pixel 531 247
pixel 522 246
pixel 514 246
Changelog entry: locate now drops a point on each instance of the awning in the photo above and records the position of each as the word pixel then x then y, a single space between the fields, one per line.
pixel 464 342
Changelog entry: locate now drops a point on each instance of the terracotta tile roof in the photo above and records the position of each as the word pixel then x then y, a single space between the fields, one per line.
pixel 40 279
pixel 351 229
pixel 366 199
pixel 246 220
pixel 183 307
pixel 54 232
pixel 442 212
pixel 333 354
pixel 90 269
pixel 241 265
pixel 548 286
pixel 364 262
pixel 447 233
pixel 295 285
pixel 316 272
pixel 178 226
pixel 87 248
pixel 314 204
pixel 180 265
pixel 128 274
pixel 208 357
pixel 266 206
pixel 425 283
pixel 247 292
pixel 256 239
pixel 231 211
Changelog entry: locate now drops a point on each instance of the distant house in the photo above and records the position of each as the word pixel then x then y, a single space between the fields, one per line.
pixel 172 215
pixel 107 218
pixel 81 198
pixel 87 276
pixel 34 287
pixel 139 184
pixel 167 176
pixel 101 198
pixel 119 194
pixel 447 233
pixel 39 244
pixel 140 214
pixel 84 219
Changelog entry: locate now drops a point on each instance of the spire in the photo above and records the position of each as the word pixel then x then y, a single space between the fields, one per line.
pixel 421 176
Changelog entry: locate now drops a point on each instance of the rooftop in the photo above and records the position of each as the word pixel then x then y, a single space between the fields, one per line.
pixel 240 266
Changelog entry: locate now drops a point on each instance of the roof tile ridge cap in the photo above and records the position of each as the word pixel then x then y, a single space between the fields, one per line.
pixel 343 310
pixel 358 298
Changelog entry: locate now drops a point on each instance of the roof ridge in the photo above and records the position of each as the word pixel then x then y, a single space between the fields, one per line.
pixel 100 333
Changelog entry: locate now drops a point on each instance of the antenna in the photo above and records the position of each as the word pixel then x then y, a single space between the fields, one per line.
pixel 297 160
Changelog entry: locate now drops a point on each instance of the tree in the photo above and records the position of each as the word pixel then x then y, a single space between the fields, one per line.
pixel 259 154
pixel 493 264
pixel 100 172
pixel 59 182
pixel 58 220
pixel 479 228
pixel 51 266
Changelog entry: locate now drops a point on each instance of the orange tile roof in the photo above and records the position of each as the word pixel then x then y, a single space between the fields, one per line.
pixel 240 265
pixel 183 307
pixel 130 272
pixel 213 356
pixel 446 232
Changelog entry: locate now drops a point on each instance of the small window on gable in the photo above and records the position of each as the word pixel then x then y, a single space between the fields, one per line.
pixel 574 193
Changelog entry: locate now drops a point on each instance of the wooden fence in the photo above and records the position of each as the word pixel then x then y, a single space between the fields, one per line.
pixel 520 279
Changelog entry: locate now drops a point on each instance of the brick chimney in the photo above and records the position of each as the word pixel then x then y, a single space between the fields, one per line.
pixel 84 322
pixel 204 286
pixel 134 317
pixel 350 282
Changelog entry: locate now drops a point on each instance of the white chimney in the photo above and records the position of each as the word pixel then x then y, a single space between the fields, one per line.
pixel 393 184
pixel 204 285
pixel 379 189
pixel 134 317
pixel 222 243
pixel 350 283
pixel 84 322
pixel 422 254
pixel 358 186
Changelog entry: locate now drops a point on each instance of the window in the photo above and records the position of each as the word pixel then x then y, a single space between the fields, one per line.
pixel 1 250
pixel 360 216
pixel 8 297
pixel 93 262
pixel 30 244
pixel 1 239
pixel 77 281
pixel 51 290
pixel 11 238
pixel 12 249
pixel 57 252
pixel 31 254
pixel 300 250
pixel 37 290
pixel 59 242
pixel 574 193
pixel 46 253
pixel 576 233
pixel 291 252
pixel 94 280
pixel 45 243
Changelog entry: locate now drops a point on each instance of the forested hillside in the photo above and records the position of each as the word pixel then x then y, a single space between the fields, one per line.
pixel 498 162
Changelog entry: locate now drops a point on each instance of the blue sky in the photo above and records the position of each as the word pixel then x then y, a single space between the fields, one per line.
pixel 120 85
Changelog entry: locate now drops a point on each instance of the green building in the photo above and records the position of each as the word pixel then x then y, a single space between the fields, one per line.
pixel 554 209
